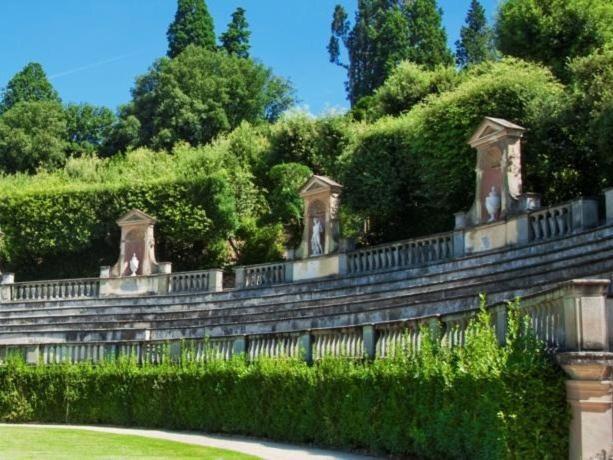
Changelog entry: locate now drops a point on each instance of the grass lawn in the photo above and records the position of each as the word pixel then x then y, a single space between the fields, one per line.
pixel 53 444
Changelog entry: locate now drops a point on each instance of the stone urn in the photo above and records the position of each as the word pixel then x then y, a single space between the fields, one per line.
pixel 134 264
pixel 492 204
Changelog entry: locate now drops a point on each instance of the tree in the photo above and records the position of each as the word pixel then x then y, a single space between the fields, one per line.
pixel 32 134
pixel 235 40
pixel 476 38
pixel 203 93
pixel 88 127
pixel 29 84
pixel 409 84
pixel 193 25
pixel 385 33
pixel 554 31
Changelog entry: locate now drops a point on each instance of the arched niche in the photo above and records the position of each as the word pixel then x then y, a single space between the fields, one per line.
pixel 321 196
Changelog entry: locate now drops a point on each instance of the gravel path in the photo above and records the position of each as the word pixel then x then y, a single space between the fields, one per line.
pixel 265 449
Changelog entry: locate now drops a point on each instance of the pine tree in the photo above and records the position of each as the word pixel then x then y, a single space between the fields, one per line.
pixel 384 33
pixel 476 38
pixel 193 25
pixel 28 85
pixel 235 40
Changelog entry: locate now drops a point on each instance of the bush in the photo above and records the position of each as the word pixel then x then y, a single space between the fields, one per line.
pixel 482 401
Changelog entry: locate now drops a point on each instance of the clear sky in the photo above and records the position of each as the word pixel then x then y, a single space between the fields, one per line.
pixel 93 49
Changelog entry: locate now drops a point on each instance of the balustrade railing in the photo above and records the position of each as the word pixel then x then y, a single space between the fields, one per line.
pixel 401 254
pixel 348 343
pixel 268 346
pixel 551 222
pixel 264 275
pixel 185 282
pixel 55 290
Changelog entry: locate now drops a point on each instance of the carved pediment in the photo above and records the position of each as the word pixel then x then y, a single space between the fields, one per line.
pixel 318 184
pixel 491 129
pixel 135 217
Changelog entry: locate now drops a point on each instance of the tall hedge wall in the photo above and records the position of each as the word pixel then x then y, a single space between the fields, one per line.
pixel 479 402
pixel 66 233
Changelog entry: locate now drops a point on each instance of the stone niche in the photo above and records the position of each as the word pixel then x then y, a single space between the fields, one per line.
pixel 321 234
pixel 137 248
pixel 498 192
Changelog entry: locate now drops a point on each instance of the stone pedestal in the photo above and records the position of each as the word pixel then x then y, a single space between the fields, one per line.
pixel 589 394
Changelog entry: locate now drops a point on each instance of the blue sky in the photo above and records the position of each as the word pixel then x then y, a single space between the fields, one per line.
pixel 93 49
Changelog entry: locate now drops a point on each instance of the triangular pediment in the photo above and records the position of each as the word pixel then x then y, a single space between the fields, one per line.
pixel 135 217
pixel 318 184
pixel 491 129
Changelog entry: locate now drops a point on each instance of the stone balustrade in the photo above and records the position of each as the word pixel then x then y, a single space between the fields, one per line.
pixel 551 222
pixel 262 275
pixel 54 290
pixel 401 254
pixel 570 317
pixel 89 288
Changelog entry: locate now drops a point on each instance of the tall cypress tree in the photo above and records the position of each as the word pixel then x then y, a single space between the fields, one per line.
pixel 235 40
pixel 28 85
pixel 476 38
pixel 384 33
pixel 193 25
pixel 428 39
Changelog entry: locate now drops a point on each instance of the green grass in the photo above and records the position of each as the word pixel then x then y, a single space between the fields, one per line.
pixel 53 444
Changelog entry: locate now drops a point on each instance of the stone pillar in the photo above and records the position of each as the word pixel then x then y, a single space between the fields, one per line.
pixel 608 197
pixel 32 354
pixel 239 346
pixel 215 280
pixel 369 337
pixel 584 315
pixel 239 277
pixel 584 213
pixel 5 286
pixel 590 397
pixel 459 246
pixel 305 347
pixel 174 350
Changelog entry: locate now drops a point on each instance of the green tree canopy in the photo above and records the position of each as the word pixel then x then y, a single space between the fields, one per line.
pixel 409 84
pixel 476 39
pixel 193 25
pixel 202 93
pixel 383 34
pixel 553 31
pixel 88 127
pixel 32 134
pixel 235 40
pixel 29 84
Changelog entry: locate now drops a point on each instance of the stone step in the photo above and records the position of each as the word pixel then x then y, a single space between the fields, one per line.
pixel 419 301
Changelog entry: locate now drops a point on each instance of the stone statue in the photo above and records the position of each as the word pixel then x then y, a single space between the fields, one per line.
pixel 492 204
pixel 316 249
pixel 134 264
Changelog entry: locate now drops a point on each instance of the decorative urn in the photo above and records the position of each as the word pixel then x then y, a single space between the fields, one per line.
pixel 492 204
pixel 134 264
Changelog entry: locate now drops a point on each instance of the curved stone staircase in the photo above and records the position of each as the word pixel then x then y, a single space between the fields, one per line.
pixel 387 296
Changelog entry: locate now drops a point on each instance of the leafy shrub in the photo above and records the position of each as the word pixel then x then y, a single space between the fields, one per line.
pixel 482 401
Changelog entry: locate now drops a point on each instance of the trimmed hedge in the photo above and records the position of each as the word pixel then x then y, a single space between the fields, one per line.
pixel 66 233
pixel 478 402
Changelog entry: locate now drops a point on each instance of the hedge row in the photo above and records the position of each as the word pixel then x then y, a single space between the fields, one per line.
pixel 479 402
pixel 72 232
